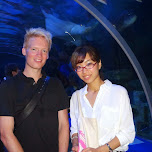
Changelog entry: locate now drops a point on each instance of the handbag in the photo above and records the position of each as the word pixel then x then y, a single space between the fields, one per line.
pixel 32 104
pixel 88 130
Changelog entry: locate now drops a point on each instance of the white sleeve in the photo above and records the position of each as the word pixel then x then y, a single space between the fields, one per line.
pixel 126 134
pixel 74 114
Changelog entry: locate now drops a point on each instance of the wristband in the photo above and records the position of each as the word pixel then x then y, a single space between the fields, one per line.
pixel 110 150
pixel 73 137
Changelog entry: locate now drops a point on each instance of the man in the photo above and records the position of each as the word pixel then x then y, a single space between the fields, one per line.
pixel 46 129
pixel 11 70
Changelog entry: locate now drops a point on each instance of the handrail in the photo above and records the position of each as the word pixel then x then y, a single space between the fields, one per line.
pixel 127 50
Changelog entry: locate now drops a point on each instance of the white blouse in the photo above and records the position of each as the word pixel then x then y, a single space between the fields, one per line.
pixel 111 109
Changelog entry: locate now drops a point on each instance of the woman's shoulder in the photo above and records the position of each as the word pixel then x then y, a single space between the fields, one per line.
pixel 118 88
pixel 79 91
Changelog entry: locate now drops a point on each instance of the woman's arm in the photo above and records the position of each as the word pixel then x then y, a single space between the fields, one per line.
pixel 74 122
pixel 74 141
pixel 126 134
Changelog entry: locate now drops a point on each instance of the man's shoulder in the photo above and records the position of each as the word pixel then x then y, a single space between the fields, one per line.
pixel 11 82
pixel 8 82
pixel 55 83
pixel 53 80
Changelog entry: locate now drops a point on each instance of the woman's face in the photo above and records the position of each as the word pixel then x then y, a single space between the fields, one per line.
pixel 88 70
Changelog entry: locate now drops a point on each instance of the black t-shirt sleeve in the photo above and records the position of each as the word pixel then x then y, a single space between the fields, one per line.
pixel 63 98
pixel 6 98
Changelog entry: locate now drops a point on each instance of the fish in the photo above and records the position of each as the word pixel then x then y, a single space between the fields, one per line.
pixel 139 1
pixel 124 20
pixel 67 30
pixel 103 1
pixel 59 27
pixel 128 22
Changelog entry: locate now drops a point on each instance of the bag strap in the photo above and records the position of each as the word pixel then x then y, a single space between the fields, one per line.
pixel 32 104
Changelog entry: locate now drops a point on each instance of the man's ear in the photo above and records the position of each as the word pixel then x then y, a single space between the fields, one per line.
pixel 48 56
pixel 100 65
pixel 24 51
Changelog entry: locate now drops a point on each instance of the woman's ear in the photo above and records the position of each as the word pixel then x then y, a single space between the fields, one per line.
pixel 100 65
pixel 24 51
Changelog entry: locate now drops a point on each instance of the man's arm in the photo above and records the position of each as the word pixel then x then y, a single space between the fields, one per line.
pixel 7 136
pixel 63 130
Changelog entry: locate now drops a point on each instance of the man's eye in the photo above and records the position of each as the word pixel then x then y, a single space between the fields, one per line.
pixel 33 49
pixel 45 51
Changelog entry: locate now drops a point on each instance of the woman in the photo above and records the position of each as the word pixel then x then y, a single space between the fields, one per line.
pixel 108 104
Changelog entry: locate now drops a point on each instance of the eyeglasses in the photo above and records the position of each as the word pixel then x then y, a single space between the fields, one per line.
pixel 88 66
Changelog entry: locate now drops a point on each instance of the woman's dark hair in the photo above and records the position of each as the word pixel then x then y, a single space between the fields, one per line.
pixel 80 52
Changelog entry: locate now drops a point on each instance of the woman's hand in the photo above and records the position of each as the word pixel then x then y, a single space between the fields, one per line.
pixel 89 150
pixel 74 141
pixel 75 148
pixel 103 148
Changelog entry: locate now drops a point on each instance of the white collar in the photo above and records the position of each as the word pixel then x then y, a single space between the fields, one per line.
pixel 106 86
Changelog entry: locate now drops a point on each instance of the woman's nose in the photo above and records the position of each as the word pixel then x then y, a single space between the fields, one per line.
pixel 84 69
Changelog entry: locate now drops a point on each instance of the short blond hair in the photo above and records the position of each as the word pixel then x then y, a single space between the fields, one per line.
pixel 37 32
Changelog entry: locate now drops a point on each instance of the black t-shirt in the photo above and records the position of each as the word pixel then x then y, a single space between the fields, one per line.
pixel 38 132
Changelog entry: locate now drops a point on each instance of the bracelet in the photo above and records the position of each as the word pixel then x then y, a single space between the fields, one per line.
pixel 73 137
pixel 110 149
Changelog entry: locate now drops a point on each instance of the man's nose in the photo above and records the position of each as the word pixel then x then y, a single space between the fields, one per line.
pixel 39 52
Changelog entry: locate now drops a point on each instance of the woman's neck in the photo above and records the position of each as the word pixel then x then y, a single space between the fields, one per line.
pixel 95 86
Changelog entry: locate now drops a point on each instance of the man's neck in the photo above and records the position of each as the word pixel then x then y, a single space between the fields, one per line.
pixel 33 73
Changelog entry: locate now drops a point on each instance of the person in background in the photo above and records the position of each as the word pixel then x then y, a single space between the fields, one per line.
pixel 11 70
pixel 107 103
pixel 47 127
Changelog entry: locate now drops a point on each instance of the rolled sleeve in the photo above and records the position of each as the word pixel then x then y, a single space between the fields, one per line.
pixel 126 134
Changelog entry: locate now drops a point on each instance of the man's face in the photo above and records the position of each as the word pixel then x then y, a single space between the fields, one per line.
pixel 36 52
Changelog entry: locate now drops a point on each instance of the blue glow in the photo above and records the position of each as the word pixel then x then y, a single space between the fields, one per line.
pixel 9 17
pixel 6 26
pixel 11 9
pixel 8 31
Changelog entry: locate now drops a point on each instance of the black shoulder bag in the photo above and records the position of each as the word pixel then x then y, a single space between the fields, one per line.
pixel 32 104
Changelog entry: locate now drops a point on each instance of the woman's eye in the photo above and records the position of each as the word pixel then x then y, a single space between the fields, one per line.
pixel 78 67
pixel 89 64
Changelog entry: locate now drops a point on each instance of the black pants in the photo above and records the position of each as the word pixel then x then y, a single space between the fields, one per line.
pixel 1 146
